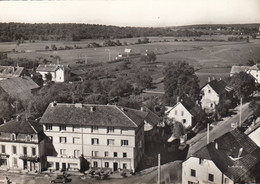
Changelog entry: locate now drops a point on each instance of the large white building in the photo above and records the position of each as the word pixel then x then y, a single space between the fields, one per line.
pixel 106 136
pixel 59 73
pixel 232 158
pixel 21 145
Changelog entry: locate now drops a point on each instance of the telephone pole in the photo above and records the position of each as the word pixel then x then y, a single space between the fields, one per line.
pixel 159 168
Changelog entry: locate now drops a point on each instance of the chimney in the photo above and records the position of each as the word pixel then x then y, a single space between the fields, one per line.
pixel 92 109
pixel 4 121
pixel 53 104
pixel 240 152
pixel 216 145
pixel 208 79
pixel 142 109
pixel 220 78
pixel 213 78
pixel 178 99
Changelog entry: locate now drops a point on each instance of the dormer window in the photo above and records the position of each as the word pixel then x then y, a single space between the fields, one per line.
pixel 13 137
pixel 110 129
pixel 94 128
pixel 48 127
pixel 63 127
pixel 28 138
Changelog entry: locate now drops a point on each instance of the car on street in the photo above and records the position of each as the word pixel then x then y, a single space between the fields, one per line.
pixel 61 179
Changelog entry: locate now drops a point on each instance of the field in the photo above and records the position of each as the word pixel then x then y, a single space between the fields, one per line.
pixel 210 58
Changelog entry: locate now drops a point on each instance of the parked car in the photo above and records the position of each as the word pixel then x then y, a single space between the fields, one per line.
pixel 61 179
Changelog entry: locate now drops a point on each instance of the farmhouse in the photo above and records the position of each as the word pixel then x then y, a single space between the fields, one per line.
pixel 20 145
pixel 8 72
pixel 232 158
pixel 212 93
pixel 21 88
pixel 185 112
pixel 107 136
pixel 59 73
pixel 253 70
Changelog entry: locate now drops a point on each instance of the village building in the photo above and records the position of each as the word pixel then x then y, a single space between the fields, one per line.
pixel 232 158
pixel 21 145
pixel 8 72
pixel 107 136
pixel 21 88
pixel 252 70
pixel 212 93
pixel 59 73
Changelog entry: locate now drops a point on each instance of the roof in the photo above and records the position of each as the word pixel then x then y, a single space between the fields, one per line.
pixel 21 126
pixel 19 87
pixel 237 69
pixel 51 68
pixel 10 71
pixel 78 72
pixel 225 154
pixel 219 86
pixel 93 115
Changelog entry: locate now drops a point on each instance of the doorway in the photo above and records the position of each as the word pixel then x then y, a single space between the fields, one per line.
pixel 57 165
pixel 25 164
pixel 115 166
pixel 64 166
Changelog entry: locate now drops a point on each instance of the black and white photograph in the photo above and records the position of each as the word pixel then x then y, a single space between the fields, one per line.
pixel 130 91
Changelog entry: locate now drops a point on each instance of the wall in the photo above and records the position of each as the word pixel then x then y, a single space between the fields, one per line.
pixel 209 97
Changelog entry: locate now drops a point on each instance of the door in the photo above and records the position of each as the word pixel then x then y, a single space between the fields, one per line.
pixel 115 166
pixel 24 164
pixel 64 166
pixel 57 165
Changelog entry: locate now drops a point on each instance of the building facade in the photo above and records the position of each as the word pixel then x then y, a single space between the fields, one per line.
pixel 105 135
pixel 59 73
pixel 20 145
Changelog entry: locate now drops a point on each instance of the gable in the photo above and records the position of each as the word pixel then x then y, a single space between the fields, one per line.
pixel 179 107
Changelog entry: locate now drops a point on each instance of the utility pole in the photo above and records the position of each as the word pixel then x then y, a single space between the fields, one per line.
pixel 240 115
pixel 208 134
pixel 159 168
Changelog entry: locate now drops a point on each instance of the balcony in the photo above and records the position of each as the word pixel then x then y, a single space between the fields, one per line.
pixel 30 158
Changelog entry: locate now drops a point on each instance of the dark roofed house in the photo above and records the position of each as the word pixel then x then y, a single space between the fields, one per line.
pixel 106 135
pixel 232 158
pixel 213 92
pixel 21 88
pixel 21 143
pixel 8 72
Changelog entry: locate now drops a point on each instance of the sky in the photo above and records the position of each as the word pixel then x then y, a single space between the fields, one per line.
pixel 143 13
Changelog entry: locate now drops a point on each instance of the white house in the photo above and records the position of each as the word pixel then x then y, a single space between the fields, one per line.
pixel 253 70
pixel 212 92
pixel 106 136
pixel 232 158
pixel 20 145
pixel 254 133
pixel 59 73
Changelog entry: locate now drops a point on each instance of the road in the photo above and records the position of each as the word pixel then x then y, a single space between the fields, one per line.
pixel 218 129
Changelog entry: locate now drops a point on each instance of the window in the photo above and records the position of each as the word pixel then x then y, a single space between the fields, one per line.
pixel 184 121
pixel 94 129
pixel 50 138
pixel 209 91
pixel 28 138
pixel 13 137
pixel 111 142
pixel 94 141
pixel 95 164
pixel 211 177
pixel 124 165
pixel 176 112
pixel 94 153
pixel 76 140
pixel 25 150
pixel 14 149
pixel 124 142
pixel 62 152
pixel 201 161
pixel 106 154
pixel 226 181
pixel 3 148
pixel 124 155
pixel 76 153
pixel 15 162
pixel 33 151
pixel 106 164
pixel 48 127
pixel 115 154
pixel 193 172
pixel 76 128
pixel 211 105
pixel 182 113
pixel 63 127
pixel 190 182
pixel 110 129
pixel 63 139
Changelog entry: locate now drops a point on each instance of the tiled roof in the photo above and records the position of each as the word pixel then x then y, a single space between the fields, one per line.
pixel 51 67
pixel 92 114
pixel 224 152
pixel 219 87
pixel 21 126
pixel 19 87
pixel 10 71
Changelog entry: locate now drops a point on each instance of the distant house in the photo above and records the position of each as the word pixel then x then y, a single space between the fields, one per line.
pixel 232 158
pixel 128 51
pixel 253 70
pixel 254 134
pixel 107 136
pixel 59 73
pixel 212 93
pixel 185 112
pixel 21 88
pixel 21 145
pixel 8 72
